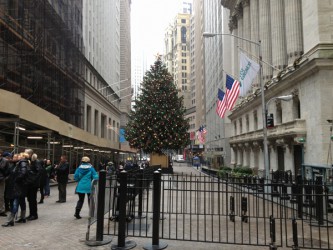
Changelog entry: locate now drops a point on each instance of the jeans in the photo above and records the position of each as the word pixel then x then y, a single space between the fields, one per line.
pixel 47 186
pixel 62 191
pixel 18 201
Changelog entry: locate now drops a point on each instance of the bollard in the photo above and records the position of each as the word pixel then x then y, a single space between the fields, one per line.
pixel 295 234
pixel 122 244
pixel 261 184
pixel 100 213
pixel 156 244
pixel 272 245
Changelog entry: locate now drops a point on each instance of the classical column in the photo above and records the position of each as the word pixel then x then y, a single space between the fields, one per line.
pixel 246 25
pixel 234 30
pixel 265 37
pixel 293 17
pixel 254 12
pixel 279 51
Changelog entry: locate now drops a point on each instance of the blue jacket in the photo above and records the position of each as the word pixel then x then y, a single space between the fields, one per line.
pixel 84 174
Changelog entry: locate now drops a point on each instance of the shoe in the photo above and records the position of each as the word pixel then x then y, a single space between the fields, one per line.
pixel 3 214
pixel 28 217
pixel 60 201
pixel 21 220
pixel 8 224
pixel 77 216
pixel 41 202
pixel 32 218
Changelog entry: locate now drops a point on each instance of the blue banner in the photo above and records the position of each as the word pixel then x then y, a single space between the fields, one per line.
pixel 122 135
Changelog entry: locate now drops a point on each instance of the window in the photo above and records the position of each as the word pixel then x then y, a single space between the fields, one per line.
pixel 183 34
pixel 247 123
pixel 103 126
pixel 184 81
pixel 184 68
pixel 296 108
pixel 88 119
pixel 183 60
pixel 278 113
pixel 183 20
pixel 96 123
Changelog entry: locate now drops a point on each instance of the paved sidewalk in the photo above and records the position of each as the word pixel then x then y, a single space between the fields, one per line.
pixel 58 229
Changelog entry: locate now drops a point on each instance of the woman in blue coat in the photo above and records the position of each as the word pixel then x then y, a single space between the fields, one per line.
pixel 84 174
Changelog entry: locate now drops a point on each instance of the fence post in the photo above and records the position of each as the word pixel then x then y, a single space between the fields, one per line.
pixel 140 216
pixel 100 213
pixel 272 246
pixel 319 200
pixel 122 215
pixel 299 198
pixel 156 244
pixel 295 234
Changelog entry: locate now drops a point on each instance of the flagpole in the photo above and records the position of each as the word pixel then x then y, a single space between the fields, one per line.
pixel 263 105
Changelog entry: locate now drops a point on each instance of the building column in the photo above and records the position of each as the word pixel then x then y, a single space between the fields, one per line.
pixel 293 17
pixel 246 25
pixel 265 36
pixel 233 155
pixel 239 14
pixel 279 51
pixel 254 12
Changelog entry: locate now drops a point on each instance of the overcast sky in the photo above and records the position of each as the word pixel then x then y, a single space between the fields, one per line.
pixel 149 19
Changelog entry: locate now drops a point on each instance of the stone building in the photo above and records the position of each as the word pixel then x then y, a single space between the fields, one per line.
pixel 296 40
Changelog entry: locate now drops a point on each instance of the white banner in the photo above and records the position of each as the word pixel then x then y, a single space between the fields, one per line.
pixel 248 71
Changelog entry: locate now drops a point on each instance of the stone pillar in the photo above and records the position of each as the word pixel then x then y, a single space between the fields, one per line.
pixel 246 26
pixel 254 12
pixel 265 36
pixel 234 57
pixel 293 17
pixel 279 51
pixel 233 155
pixel 239 42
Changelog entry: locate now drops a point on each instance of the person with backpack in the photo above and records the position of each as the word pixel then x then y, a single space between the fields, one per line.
pixel 84 174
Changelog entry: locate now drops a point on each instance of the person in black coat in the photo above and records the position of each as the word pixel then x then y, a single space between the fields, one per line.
pixel 4 164
pixel 16 191
pixel 62 172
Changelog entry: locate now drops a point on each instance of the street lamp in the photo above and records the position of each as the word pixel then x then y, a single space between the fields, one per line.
pixel 265 141
pixel 112 84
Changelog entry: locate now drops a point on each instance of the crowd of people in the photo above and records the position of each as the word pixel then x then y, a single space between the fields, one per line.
pixel 23 174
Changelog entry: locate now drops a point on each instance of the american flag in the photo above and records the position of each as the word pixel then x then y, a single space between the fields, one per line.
pixel 232 91
pixel 221 106
pixel 201 134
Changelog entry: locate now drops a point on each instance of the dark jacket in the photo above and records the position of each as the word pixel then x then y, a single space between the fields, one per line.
pixel 62 172
pixel 4 165
pixel 17 175
pixel 34 172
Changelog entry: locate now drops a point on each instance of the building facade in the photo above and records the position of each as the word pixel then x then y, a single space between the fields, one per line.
pixel 217 147
pixel 53 97
pixel 296 45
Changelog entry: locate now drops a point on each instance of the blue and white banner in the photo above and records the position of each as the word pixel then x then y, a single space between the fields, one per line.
pixel 248 71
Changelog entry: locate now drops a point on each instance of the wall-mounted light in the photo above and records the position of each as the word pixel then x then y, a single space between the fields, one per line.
pixel 20 128
pixel 54 142
pixel 87 149
pixel 78 147
pixel 35 137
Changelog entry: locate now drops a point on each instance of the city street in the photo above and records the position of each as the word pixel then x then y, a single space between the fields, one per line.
pixel 57 228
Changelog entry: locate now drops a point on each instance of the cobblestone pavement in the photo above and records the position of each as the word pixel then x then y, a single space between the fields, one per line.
pixel 57 228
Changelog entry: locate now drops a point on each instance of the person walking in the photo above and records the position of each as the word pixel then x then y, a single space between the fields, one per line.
pixel 84 174
pixel 17 188
pixel 62 172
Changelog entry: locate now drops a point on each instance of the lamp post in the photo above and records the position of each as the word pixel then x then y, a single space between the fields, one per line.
pixel 265 141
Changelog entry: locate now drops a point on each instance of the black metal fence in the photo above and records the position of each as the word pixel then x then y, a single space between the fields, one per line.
pixel 245 211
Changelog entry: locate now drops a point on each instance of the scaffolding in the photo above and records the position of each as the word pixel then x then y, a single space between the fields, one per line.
pixel 41 55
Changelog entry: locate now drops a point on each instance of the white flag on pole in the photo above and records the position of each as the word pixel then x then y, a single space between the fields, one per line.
pixel 248 71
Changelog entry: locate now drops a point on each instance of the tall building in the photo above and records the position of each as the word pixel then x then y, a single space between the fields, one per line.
pixel 56 78
pixel 177 54
pixel 296 45
pixel 217 148
pixel 125 91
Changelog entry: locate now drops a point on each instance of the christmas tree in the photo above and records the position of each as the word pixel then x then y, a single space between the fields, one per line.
pixel 157 122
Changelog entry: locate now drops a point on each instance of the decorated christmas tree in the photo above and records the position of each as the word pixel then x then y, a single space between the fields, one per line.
pixel 157 122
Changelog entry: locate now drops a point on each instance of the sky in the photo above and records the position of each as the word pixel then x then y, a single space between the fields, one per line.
pixel 149 20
